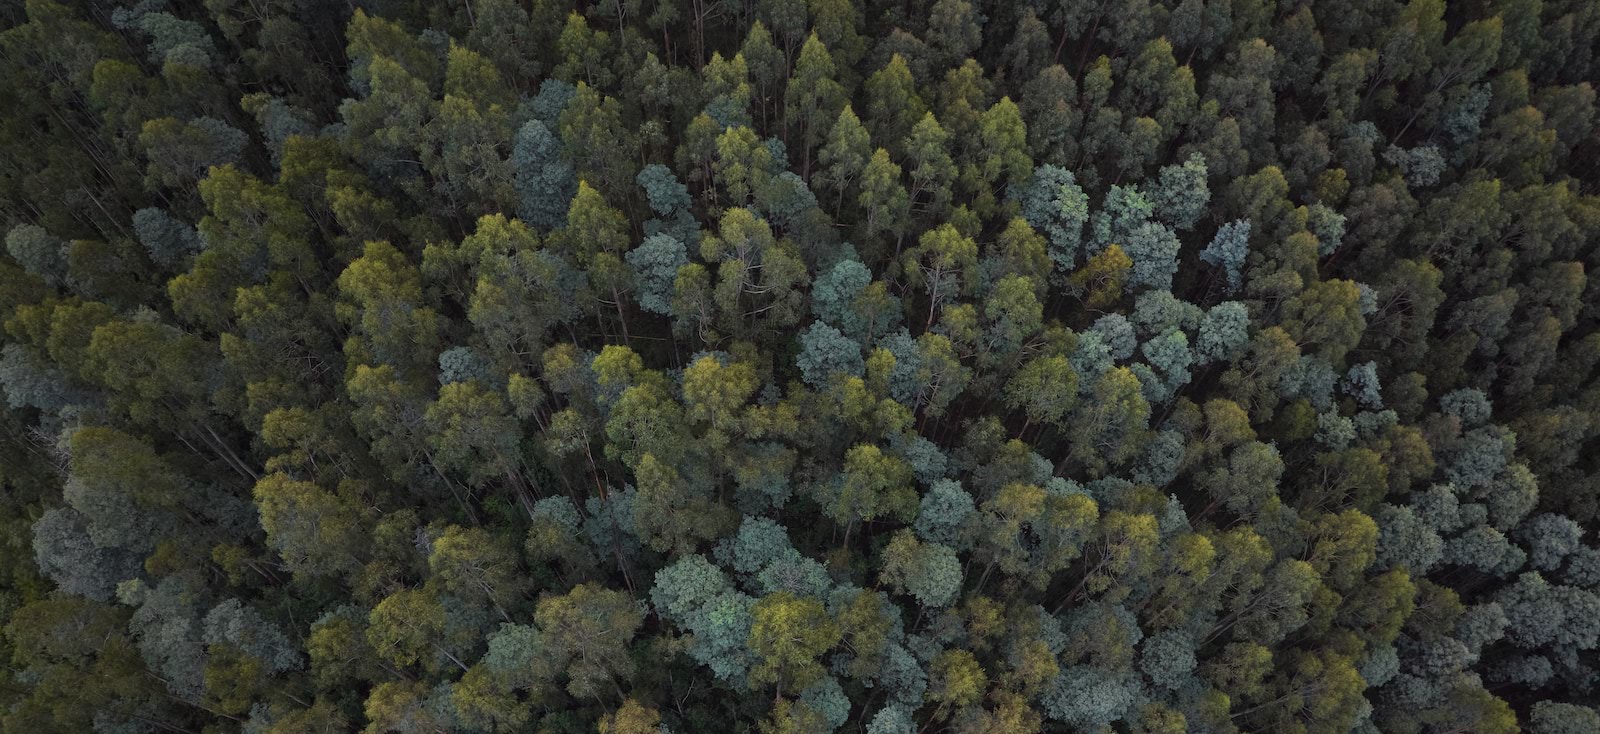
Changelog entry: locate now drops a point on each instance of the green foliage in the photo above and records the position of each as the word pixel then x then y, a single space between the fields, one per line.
pixel 244 629
pixel 68 556
pixel 1046 389
pixel 872 484
pixel 944 509
pixel 639 367
pixel 589 628
pixel 787 635
pixel 697 596
pixel 1228 250
pixel 1180 194
pixel 826 352
pixel 1224 333
pixel 930 572
pixel 1154 251
pixel 37 252
pixel 1083 696
pixel 545 181
pixel 846 297
pixel 1551 716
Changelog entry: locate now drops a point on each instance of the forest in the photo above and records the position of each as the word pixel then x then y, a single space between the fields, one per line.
pixel 799 366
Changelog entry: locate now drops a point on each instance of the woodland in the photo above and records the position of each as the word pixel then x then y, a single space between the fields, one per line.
pixel 799 366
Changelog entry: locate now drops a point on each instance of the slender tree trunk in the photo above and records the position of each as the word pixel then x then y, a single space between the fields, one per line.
pixel 465 506
pixel 621 316
pixel 447 654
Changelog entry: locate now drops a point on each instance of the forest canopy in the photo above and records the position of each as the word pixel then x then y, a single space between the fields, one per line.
pixel 799 366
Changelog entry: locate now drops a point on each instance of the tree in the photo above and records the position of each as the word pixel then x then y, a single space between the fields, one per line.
pixel 715 393
pixel 891 719
pixel 1406 540
pixel 1019 251
pixel 826 352
pixel 1180 196
pixel 590 628
pixel 70 558
pixel 893 105
pixel 787 635
pixel 671 513
pixel 1153 249
pixel 1169 358
pixel 944 264
pixel 401 706
pixel 696 594
pixel 932 169
pixel 120 489
pixel 314 531
pixel 642 418
pixel 931 572
pixel 180 153
pixel 1541 613
pixel 1012 314
pixel 1110 422
pixel 595 238
pixel 744 165
pixel 473 432
pixel 461 364
pixel 386 291
pixel 1549 539
pixel 954 29
pixel 1032 533
pixel 1224 333
pixel 1053 119
pixel 37 252
pixel 883 198
pixel 1228 251
pixel 943 512
pixel 1550 716
pixel 513 269
pixel 873 484
pixel 758 276
pixel 1000 159
pixel 1326 316
pixel 245 630
pixel 1322 693
pixel 670 201
pixel 593 136
pixel 631 718
pixel 463 140
pixel 471 563
pixel 392 86
pixel 1045 388
pixel 1343 547
pixel 956 679
pixel 834 295
pixel 1053 203
pixel 411 626
pixel 812 97
pixel 544 179
pixel 844 156
pixel 166 623
pixel 1100 282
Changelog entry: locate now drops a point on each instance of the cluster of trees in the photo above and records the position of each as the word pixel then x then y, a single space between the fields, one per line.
pixel 631 366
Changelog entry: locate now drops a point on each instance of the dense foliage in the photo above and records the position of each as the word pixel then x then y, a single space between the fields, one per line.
pixel 1139 366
